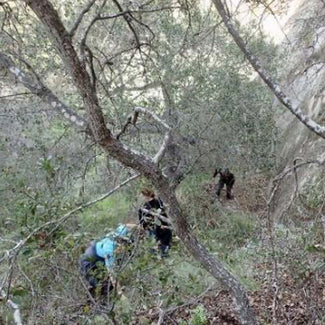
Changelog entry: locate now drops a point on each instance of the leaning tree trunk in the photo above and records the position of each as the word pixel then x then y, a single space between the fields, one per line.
pixel 201 254
pixel 143 164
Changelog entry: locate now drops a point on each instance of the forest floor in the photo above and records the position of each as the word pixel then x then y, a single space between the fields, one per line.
pixel 290 307
pixel 288 289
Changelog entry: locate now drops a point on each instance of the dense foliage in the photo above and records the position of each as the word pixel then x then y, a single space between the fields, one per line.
pixel 180 63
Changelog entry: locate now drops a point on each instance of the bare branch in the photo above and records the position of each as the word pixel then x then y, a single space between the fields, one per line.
pixel 272 239
pixel 78 21
pixel 145 25
pixel 151 85
pixel 275 88
pixel 124 128
pixel 159 155
pixel 83 176
pixel 41 91
pixel 91 66
pixel 119 14
pixel 154 116
pixel 289 169
pixel 132 119
pixel 14 95
pixel 142 11
pixel 161 317
pixel 7 12
pixel 28 280
pixel 192 301
pixel 268 7
pixel 128 18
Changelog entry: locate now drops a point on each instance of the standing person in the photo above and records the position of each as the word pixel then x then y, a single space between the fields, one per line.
pixel 155 223
pixel 227 178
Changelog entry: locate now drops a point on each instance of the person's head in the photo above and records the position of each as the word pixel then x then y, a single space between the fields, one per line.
pixel 148 194
pixel 227 171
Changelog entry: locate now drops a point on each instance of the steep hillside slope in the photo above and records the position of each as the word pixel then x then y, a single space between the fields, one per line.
pixel 303 77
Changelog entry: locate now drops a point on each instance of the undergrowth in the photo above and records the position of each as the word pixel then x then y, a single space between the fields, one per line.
pixel 50 290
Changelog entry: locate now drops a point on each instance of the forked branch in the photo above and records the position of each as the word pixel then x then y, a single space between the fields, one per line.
pixel 79 20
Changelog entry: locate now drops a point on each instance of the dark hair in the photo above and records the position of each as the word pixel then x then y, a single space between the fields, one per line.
pixel 148 192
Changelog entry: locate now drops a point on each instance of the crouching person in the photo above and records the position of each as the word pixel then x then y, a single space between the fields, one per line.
pixel 99 259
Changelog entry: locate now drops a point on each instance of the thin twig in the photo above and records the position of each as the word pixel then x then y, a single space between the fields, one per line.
pixel 127 17
pixel 78 21
pixel 14 95
pixel 153 115
pixel 161 317
pixel 188 303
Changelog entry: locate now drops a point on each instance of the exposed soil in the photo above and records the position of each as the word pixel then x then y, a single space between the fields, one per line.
pixel 297 303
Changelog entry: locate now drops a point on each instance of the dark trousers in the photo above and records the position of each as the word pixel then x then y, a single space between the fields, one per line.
pixel 164 237
pixel 88 268
pixel 88 264
pixel 229 186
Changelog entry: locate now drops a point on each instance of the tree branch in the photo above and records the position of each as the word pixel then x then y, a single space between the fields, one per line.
pixel 123 88
pixel 78 21
pixel 289 169
pixel 40 90
pixel 153 116
pixel 132 119
pixel 124 128
pixel 161 152
pixel 192 301
pixel 275 88
pixel 14 95
pixel 127 17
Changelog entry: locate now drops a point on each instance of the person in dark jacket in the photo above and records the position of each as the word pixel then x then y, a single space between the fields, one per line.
pixel 156 222
pixel 226 177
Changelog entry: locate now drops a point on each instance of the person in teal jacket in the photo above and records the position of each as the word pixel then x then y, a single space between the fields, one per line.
pixel 102 253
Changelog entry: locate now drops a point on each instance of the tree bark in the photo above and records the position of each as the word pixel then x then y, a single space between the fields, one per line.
pixel 141 163
pixel 201 254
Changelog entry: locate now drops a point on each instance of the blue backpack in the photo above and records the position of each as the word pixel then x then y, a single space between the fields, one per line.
pixel 106 247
